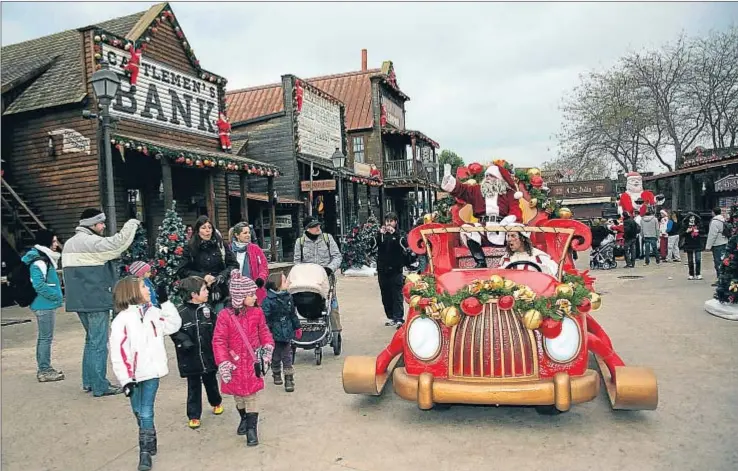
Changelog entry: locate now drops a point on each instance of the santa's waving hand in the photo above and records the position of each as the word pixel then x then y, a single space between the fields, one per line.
pixel 493 202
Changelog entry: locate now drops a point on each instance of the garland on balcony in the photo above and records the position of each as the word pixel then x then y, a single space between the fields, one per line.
pixel 537 312
pixel 123 144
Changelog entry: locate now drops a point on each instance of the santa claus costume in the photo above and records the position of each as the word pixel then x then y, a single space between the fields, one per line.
pixel 494 203
pixel 224 131
pixel 635 200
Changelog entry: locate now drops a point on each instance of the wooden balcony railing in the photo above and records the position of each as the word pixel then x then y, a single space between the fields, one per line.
pixel 407 170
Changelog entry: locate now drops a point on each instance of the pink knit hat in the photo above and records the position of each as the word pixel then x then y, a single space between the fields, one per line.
pixel 139 268
pixel 240 288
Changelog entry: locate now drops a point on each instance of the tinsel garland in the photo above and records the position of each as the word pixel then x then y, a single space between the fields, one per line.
pixel 571 294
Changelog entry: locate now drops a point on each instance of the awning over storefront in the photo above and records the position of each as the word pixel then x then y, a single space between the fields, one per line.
pixel 695 169
pixel 348 174
pixel 409 133
pixel 263 197
pixel 593 200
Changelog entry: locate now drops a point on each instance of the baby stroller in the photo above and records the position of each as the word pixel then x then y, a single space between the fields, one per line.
pixel 603 256
pixel 312 292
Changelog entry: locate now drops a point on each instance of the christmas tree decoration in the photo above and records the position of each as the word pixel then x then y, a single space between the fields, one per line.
pixel 725 302
pixel 550 328
pixel 532 319
pixel 414 301
pixel 506 302
pixel 360 246
pixel 564 290
pixel 475 168
pixel 596 301
pixel 138 251
pixel 413 278
pixel 565 213
pixel 170 247
pixel 450 316
pixel 496 282
pixel 584 306
pixel 533 172
pixel 471 306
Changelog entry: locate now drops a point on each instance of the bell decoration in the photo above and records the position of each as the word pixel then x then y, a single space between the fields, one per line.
pixel 533 172
pixel 496 282
pixel 532 319
pixel 533 202
pixel 414 300
pixel 565 213
pixel 506 302
pixel 563 307
pixel 450 316
pixel 564 291
pixel 550 328
pixel 435 309
pixel 596 301
pixel 471 306
pixel 413 278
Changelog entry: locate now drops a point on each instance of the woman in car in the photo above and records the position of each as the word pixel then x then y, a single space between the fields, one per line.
pixel 520 249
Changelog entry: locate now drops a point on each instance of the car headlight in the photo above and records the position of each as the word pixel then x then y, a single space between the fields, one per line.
pixel 424 338
pixel 566 346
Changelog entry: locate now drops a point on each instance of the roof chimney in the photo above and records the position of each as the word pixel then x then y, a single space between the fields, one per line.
pixel 363 60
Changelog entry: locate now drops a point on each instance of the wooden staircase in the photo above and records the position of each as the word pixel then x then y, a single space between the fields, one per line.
pixel 19 222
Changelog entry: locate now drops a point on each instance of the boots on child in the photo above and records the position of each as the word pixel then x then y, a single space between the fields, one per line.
pixel 146 447
pixel 241 430
pixel 277 375
pixel 289 382
pixel 252 438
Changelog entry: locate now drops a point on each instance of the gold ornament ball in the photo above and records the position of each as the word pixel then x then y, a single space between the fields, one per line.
pixel 414 300
pixel 413 278
pixel 450 316
pixel 565 213
pixel 564 291
pixel 470 182
pixel 509 284
pixel 532 172
pixel 532 319
pixel 427 218
pixel 533 202
pixel 596 301
pixel 496 282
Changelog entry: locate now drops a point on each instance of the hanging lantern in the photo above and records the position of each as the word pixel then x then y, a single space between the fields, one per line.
pixel 97 38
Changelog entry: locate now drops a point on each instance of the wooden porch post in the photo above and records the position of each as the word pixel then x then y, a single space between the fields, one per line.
pixel 210 195
pixel 272 217
pixel 368 201
pixel 243 191
pixel 356 201
pixel 261 220
pixel 166 179
pixel 381 203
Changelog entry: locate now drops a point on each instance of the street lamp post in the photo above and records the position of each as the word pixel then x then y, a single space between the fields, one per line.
pixel 105 84
pixel 339 160
pixel 429 167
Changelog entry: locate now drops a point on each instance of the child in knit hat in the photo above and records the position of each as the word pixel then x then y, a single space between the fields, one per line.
pixel 243 345
pixel 143 271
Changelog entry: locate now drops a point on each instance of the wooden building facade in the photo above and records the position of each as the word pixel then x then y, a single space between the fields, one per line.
pixel 298 127
pixel 165 139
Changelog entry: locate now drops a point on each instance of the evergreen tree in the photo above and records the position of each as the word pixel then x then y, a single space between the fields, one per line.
pixel 137 251
pixel 360 248
pixel 170 245
pixel 727 288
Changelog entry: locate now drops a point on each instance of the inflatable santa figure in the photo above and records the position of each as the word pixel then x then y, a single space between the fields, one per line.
pixel 635 200
pixel 493 203
pixel 134 63
pixel 224 131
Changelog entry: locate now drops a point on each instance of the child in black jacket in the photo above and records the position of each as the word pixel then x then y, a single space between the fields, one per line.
pixel 194 346
pixel 281 317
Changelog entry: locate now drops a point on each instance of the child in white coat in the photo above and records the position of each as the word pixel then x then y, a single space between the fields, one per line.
pixel 138 355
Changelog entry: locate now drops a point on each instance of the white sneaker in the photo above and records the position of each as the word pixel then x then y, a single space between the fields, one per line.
pixel 699 277
pixel 690 277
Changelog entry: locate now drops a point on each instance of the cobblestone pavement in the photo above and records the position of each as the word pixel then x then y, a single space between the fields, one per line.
pixel 653 321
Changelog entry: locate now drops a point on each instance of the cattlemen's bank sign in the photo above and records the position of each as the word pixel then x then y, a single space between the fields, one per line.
pixel 164 96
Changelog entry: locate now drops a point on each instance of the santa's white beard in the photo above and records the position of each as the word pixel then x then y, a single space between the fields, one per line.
pixel 495 187
pixel 634 187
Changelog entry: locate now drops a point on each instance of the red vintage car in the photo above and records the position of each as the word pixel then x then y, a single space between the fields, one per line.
pixel 496 351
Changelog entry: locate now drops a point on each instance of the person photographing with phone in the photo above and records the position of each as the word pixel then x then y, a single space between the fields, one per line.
pixel 391 254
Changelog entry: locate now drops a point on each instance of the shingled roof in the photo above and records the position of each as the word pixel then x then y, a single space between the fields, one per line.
pixel 62 54
pixel 250 103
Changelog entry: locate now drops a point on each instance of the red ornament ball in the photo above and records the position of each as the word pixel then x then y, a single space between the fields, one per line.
pixel 162 263
pixel 471 306
pixel 475 168
pixel 585 306
pixel 178 251
pixel 536 181
pixel 506 302
pixel 173 237
pixel 550 328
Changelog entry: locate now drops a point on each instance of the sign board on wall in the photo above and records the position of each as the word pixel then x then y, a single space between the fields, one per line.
pixel 319 126
pixel 728 183
pixel 72 141
pixel 318 185
pixel 581 189
pixel 395 115
pixel 164 96
pixel 362 170
pixel 282 222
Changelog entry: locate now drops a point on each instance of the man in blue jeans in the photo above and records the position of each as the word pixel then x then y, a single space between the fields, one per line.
pixel 89 277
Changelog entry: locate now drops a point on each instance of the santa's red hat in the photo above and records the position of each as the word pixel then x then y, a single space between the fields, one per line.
pixel 632 174
pixel 501 173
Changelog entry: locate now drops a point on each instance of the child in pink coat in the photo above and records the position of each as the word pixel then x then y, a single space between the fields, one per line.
pixel 243 345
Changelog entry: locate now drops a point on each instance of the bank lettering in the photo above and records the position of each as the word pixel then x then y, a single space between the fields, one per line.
pixel 164 96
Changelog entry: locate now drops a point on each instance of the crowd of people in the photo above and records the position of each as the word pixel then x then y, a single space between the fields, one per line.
pixel 662 238
pixel 236 320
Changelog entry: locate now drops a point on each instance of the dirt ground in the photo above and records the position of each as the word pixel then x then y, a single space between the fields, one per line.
pixel 653 321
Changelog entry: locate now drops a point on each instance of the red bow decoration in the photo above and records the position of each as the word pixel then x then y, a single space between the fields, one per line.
pixel 584 275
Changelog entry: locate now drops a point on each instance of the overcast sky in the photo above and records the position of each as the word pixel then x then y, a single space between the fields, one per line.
pixel 485 80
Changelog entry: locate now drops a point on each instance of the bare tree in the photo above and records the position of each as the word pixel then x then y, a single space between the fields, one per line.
pixel 714 84
pixel 665 77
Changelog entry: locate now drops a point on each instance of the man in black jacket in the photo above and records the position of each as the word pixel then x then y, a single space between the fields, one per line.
pixel 630 234
pixel 194 345
pixel 391 251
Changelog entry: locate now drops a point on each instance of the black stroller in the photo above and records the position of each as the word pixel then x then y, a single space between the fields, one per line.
pixel 603 257
pixel 313 292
